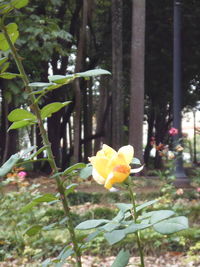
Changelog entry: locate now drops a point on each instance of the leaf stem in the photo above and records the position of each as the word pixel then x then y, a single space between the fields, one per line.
pixel 137 232
pixel 36 110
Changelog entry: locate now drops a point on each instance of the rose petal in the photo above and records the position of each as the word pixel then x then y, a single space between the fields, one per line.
pixel 97 177
pixel 127 152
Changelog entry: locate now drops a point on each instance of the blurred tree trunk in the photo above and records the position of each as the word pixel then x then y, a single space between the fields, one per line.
pixel 117 82
pixel 9 140
pixel 102 113
pixel 137 77
pixel 87 119
pixel 78 68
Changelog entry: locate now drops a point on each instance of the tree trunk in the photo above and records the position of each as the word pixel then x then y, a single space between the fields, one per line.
pixel 117 82
pixel 87 119
pixel 137 77
pixel 102 113
pixel 78 68
pixel 11 140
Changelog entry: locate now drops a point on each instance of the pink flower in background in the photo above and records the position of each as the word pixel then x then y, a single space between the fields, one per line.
pixel 198 189
pixel 173 131
pixel 22 175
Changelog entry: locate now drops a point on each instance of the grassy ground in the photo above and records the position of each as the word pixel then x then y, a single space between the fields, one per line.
pixel 93 201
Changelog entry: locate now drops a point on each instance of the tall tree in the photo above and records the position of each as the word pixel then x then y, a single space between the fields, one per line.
pixel 79 65
pixel 117 81
pixel 137 77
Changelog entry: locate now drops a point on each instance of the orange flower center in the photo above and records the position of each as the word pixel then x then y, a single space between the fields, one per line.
pixel 122 168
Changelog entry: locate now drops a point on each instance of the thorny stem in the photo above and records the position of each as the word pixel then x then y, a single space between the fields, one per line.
pixel 35 108
pixel 135 220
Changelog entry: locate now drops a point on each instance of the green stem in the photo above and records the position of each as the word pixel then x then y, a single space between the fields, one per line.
pixel 137 232
pixel 34 106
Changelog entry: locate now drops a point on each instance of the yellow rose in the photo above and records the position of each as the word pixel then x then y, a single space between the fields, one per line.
pixel 110 166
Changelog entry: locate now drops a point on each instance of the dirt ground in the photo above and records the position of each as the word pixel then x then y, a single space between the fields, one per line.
pixel 167 260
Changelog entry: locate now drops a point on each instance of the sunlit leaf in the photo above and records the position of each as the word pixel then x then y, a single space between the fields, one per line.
pixel 8 75
pixel 12 30
pixel 39 84
pixel 19 3
pixel 49 109
pixel 20 114
pixel 62 79
pixel 20 124
pixel 92 73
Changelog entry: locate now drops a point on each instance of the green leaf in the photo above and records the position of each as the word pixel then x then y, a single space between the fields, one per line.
pixel 86 172
pixel 5 8
pixel 9 164
pixel 90 224
pixel 20 124
pixel 109 227
pixel 49 109
pixel 33 230
pixel 46 262
pixel 3 60
pixel 19 3
pixel 92 73
pixel 124 207
pixel 171 225
pixel 115 236
pixel 133 227
pixel 39 84
pixel 160 215
pixel 36 201
pixel 49 227
pixel 92 235
pixel 146 204
pixel 27 150
pixel 136 161
pixel 20 114
pixel 65 253
pixel 5 67
pixel 45 198
pixel 73 167
pixel 146 215
pixel 13 33
pixel 122 259
pixel 70 189
pixel 61 79
pixel 9 76
pixel 37 152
